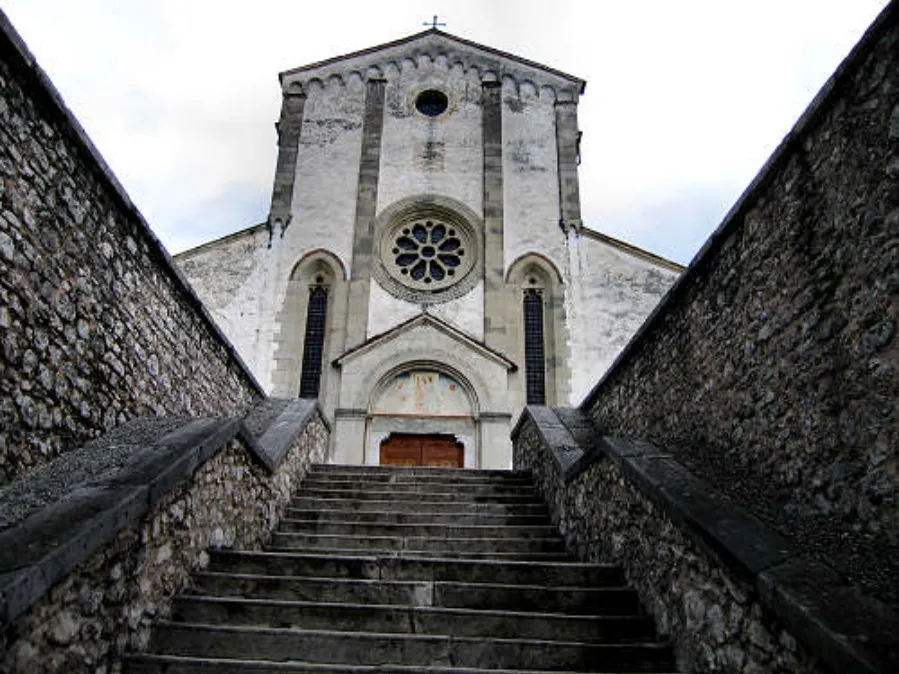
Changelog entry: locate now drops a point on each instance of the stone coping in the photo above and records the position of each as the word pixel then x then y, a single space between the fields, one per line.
pixel 15 49
pixel 61 517
pixel 847 630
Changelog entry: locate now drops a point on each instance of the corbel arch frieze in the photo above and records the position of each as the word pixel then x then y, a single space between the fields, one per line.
pixel 458 61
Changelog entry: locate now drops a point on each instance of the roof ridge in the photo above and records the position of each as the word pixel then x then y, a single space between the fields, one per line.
pixel 449 36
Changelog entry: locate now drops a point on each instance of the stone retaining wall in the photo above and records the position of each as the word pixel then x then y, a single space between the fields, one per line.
pixel 97 326
pixel 104 607
pixel 772 368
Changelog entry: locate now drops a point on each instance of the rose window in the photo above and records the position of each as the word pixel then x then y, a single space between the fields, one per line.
pixel 428 252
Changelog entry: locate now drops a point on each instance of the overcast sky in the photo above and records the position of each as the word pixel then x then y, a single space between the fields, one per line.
pixel 685 99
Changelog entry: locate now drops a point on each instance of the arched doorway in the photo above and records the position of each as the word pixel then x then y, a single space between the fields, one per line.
pixel 422 416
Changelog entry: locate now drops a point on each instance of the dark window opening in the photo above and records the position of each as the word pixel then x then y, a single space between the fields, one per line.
pixel 534 360
pixel 431 102
pixel 313 346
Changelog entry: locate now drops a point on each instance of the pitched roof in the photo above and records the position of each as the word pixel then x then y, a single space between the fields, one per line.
pixel 435 41
pixel 433 321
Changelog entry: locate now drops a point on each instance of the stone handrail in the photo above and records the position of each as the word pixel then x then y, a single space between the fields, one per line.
pixel 724 585
pixel 128 517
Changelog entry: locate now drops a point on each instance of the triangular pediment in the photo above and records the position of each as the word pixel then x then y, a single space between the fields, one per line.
pixel 435 46
pixel 426 322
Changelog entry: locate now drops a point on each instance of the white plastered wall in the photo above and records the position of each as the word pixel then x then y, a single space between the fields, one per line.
pixel 530 175
pixel 611 294
pixel 323 209
pixel 229 276
pixel 430 155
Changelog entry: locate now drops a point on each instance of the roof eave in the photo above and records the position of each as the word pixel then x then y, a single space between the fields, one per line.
pixel 581 84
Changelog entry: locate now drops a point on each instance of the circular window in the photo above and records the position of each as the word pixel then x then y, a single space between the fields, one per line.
pixel 431 102
pixel 426 252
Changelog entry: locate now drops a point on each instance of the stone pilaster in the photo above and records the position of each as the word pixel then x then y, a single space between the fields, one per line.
pixel 492 128
pixel 289 127
pixel 366 204
pixel 567 145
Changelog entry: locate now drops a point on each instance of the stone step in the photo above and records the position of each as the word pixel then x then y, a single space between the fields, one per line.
pixel 427 571
pixel 419 505
pixel 361 566
pixel 621 601
pixel 260 643
pixel 315 541
pixel 398 619
pixel 356 528
pixel 169 664
pixel 431 554
pixel 431 486
pixel 423 471
pixel 528 497
pixel 386 517
pixel 461 478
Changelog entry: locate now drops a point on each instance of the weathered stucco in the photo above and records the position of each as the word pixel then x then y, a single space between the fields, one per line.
pixel 431 155
pixel 230 276
pixel 365 155
pixel 609 295
pixel 530 176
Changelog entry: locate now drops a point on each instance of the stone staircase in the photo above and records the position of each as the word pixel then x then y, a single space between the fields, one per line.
pixel 377 569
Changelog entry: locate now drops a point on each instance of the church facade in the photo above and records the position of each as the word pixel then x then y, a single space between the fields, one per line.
pixel 424 270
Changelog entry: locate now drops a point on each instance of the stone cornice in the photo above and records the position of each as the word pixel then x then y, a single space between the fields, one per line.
pixel 434 48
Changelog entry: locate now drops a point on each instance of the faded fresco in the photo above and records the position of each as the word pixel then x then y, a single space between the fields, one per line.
pixel 423 393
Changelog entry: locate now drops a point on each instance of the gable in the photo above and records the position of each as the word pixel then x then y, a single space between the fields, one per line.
pixel 425 342
pixel 434 332
pixel 434 46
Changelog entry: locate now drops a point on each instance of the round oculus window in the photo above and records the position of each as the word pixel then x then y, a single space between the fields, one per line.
pixel 431 102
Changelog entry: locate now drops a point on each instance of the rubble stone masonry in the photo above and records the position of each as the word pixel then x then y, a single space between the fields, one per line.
pixel 97 326
pixel 103 608
pixel 772 367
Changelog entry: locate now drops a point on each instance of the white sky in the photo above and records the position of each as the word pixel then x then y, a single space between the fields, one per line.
pixel 685 99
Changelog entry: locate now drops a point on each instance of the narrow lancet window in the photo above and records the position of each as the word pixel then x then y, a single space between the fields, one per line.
pixel 313 346
pixel 534 360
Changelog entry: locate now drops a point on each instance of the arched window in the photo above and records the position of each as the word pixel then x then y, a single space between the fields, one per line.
pixel 314 342
pixel 308 329
pixel 539 335
pixel 534 352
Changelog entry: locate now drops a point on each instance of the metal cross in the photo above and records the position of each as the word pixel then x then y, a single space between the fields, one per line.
pixel 433 23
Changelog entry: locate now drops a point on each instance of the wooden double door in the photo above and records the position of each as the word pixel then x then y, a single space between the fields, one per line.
pixel 412 449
